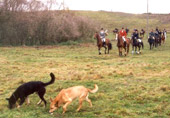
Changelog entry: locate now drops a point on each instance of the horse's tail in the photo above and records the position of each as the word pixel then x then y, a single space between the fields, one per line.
pixel 110 46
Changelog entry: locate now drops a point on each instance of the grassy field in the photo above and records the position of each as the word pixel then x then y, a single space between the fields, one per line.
pixel 136 86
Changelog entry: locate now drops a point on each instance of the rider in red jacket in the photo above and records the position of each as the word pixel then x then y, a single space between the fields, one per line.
pixel 123 34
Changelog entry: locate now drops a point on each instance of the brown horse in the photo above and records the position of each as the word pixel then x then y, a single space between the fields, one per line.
pixel 163 38
pixel 100 43
pixel 123 45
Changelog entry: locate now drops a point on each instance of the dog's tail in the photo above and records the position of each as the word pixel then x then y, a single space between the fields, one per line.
pixel 51 81
pixel 94 90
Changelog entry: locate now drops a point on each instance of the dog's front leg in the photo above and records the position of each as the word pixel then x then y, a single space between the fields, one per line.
pixel 28 101
pixel 18 106
pixel 22 101
pixel 65 106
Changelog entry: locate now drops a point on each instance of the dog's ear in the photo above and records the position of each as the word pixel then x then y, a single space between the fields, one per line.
pixel 7 99
pixel 51 100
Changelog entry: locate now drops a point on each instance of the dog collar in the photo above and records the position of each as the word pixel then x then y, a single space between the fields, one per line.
pixel 14 96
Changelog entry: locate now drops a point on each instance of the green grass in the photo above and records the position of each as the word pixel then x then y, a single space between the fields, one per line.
pixel 136 86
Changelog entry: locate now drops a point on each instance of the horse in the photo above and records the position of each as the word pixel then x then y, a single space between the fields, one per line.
pixel 151 41
pixel 157 40
pixel 137 43
pixel 115 31
pixel 100 43
pixel 163 37
pixel 123 45
pixel 142 33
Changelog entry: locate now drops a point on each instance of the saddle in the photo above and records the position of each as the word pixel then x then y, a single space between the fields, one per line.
pixel 139 40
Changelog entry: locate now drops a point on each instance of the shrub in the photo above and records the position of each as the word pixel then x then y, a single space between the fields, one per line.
pixel 44 27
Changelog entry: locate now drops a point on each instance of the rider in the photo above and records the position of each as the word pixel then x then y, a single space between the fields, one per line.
pixel 142 31
pixel 135 36
pixel 116 31
pixel 127 30
pixel 123 34
pixel 103 35
pixel 164 32
pixel 151 35
pixel 160 33
pixel 156 32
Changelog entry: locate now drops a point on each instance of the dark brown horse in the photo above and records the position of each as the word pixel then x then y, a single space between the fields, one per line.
pixel 142 33
pixel 137 44
pixel 100 43
pixel 123 45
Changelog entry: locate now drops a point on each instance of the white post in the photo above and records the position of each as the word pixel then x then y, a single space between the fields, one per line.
pixel 147 18
pixel 63 5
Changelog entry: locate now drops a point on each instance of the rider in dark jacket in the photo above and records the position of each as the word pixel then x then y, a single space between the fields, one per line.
pixel 157 33
pixel 151 35
pixel 135 36
pixel 116 30
pixel 127 30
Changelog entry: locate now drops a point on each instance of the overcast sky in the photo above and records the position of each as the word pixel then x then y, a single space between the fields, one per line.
pixel 128 6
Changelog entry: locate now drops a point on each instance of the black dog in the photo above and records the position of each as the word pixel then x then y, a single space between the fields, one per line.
pixel 26 89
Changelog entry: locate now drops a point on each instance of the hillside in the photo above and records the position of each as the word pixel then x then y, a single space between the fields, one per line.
pixel 110 20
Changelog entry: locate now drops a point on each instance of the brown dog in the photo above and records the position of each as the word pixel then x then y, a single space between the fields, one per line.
pixel 66 96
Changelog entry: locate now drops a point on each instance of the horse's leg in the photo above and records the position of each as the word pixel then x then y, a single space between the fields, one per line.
pixel 108 49
pixel 119 51
pixel 153 45
pixel 132 49
pixel 105 49
pixel 136 49
pixel 127 49
pixel 99 51
pixel 139 48
pixel 156 44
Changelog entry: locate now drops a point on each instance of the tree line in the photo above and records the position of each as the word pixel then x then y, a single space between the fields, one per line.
pixel 31 22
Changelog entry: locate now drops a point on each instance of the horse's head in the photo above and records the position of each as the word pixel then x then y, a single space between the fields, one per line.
pixel 119 36
pixel 115 31
pixel 96 35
